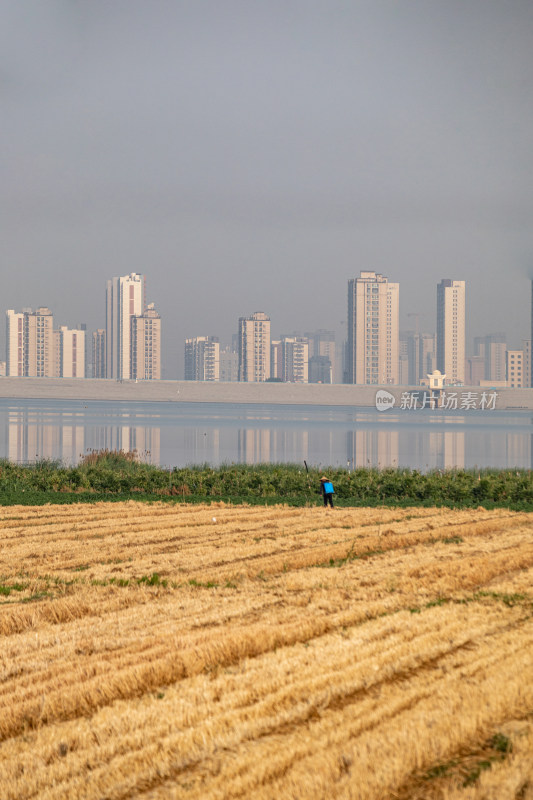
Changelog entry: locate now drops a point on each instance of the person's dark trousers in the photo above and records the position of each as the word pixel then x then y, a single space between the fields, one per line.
pixel 328 498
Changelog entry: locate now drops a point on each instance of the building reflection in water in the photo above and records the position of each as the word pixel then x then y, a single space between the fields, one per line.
pixel 266 445
pixel 178 436
pixel 518 450
pixel 200 445
pixel 387 448
pixel 372 448
pixel 29 441
pixel 446 449
pixel 141 439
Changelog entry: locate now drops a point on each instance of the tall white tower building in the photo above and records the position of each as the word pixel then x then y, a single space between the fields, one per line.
pixel 30 344
pixel 124 300
pixel 146 345
pixel 372 354
pixel 71 353
pixel 295 359
pixel 451 330
pixel 254 347
pixel 99 354
pixel 14 343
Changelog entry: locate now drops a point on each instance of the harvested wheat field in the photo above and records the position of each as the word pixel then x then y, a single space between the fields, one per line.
pixel 160 651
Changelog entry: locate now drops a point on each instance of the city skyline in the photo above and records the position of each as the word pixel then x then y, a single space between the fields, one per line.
pixel 127 348
pixel 375 352
pixel 172 363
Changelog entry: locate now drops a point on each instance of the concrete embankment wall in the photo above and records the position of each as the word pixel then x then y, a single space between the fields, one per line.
pixel 280 393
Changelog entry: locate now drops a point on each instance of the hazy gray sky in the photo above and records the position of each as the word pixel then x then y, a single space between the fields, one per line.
pixel 255 154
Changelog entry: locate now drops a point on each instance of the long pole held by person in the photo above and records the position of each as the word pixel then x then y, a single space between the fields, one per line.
pixel 307 471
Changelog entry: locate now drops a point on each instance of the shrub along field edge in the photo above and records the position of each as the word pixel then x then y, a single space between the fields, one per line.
pixel 119 476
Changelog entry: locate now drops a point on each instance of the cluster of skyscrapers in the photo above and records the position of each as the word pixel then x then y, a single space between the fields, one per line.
pixel 375 352
pixel 254 356
pixel 128 348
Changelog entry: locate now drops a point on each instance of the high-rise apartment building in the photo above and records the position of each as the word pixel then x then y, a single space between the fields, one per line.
pixel 39 349
pixel 82 326
pixel 495 360
pixel 428 354
pixel 14 343
pixel 30 344
pixel 254 347
pixel 320 370
pixel 56 344
pixel 526 349
pixel 71 353
pixel 99 354
pixel 35 350
pixel 405 362
pixel 289 359
pixel 202 358
pixel 145 345
pixel 124 300
pixel 322 344
pixel 294 359
pixel 475 370
pixel 276 360
pixel 372 352
pixel 515 369
pixel 229 365
pixel 418 349
pixel 451 330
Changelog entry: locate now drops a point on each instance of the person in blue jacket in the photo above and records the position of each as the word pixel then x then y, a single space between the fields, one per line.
pixel 327 491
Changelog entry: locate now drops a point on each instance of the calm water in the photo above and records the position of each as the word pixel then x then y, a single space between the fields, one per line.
pixel 173 434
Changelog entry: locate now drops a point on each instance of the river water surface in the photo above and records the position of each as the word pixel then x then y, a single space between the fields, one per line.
pixel 177 434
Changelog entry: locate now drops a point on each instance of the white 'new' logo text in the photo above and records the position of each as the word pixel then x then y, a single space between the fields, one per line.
pixel 384 400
